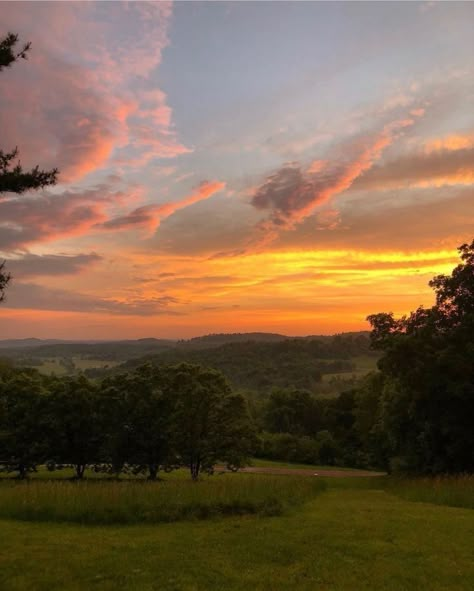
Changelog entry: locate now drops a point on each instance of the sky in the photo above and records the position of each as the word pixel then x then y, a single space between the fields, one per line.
pixel 286 167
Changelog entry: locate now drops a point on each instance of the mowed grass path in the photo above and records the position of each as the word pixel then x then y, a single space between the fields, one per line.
pixel 350 537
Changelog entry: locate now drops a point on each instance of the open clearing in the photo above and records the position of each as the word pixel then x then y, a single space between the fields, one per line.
pixel 321 472
pixel 353 536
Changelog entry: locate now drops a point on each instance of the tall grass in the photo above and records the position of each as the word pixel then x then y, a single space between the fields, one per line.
pixel 127 502
pixel 454 491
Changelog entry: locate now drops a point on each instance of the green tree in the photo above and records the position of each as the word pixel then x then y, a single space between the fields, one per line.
pixel 137 410
pixel 23 399
pixel 288 447
pixel 293 411
pixel 368 425
pixel 75 423
pixel 328 449
pixel 210 423
pixel 427 403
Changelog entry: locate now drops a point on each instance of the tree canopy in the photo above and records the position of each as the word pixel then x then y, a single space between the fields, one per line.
pixel 147 420
pixel 427 406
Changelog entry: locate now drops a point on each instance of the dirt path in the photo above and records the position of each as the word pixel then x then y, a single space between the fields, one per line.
pixel 304 472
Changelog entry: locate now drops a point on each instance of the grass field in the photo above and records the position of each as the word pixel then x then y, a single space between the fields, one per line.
pixel 454 491
pixel 363 364
pixel 111 502
pixel 355 535
pixel 273 464
pixel 53 365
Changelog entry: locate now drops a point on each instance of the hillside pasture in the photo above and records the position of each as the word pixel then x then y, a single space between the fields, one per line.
pixel 61 366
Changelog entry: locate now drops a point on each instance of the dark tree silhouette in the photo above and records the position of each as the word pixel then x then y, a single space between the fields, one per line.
pixel 7 51
pixel 427 402
pixel 4 279
pixel 13 178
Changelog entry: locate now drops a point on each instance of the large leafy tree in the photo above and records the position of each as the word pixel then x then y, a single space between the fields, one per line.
pixel 427 405
pixel 75 423
pixel 137 410
pixel 13 177
pixel 23 440
pixel 293 411
pixel 210 422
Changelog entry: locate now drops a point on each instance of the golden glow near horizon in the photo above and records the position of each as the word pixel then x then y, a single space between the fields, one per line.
pixel 294 292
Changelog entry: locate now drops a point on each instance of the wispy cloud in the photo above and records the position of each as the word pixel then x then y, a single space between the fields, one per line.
pixel 88 92
pixel 442 164
pixel 29 219
pixel 149 217
pixel 38 297
pixel 33 265
pixel 290 195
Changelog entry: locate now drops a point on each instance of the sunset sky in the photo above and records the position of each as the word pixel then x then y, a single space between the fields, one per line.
pixel 234 167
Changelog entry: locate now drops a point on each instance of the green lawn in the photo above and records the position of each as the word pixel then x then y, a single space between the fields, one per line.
pixel 363 364
pixel 258 463
pixel 67 473
pixel 353 536
pixel 53 365
pixel 82 363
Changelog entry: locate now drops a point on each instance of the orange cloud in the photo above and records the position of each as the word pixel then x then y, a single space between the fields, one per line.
pixel 293 291
pixel 449 143
pixel 149 217
pixel 316 166
pixel 292 195
pixel 30 219
pixel 434 167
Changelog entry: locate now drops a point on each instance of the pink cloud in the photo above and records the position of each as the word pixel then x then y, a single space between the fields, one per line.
pixel 30 219
pixel 88 93
pixel 291 195
pixel 149 217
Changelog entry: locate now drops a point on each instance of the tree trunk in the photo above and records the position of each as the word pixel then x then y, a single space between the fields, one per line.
pixel 152 471
pixel 80 468
pixel 22 471
pixel 195 469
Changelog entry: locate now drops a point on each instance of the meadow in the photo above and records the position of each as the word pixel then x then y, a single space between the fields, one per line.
pixel 454 491
pixel 332 534
pixel 65 366
pixel 105 501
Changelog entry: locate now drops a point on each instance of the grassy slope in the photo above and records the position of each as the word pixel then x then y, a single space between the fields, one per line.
pixel 259 463
pixel 351 537
pixel 363 364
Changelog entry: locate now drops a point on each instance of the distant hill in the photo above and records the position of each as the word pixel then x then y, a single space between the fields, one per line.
pixel 215 340
pixel 206 341
pixel 255 361
pixel 106 350
pixel 262 365
pixel 31 342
